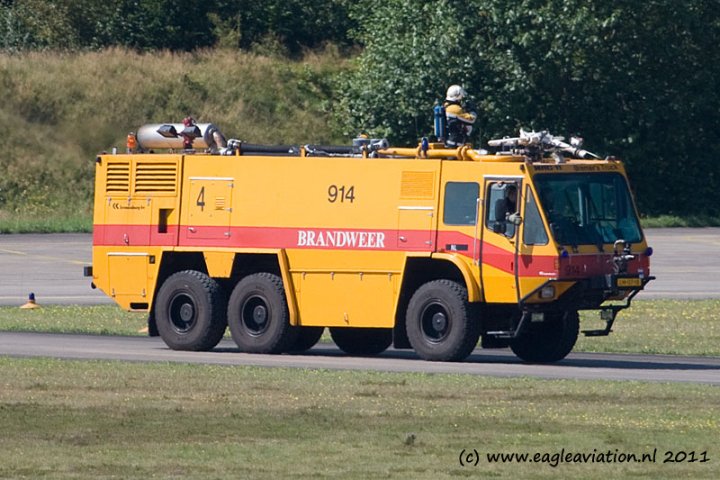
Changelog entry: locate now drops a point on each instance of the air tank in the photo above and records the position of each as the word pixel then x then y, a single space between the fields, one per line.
pixel 149 137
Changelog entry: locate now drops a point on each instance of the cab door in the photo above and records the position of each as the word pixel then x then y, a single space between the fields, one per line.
pixel 499 254
pixel 458 232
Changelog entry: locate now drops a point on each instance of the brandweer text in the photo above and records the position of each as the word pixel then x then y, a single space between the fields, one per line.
pixel 334 238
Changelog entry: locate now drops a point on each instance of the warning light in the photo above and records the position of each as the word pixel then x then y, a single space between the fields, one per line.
pixel 131 142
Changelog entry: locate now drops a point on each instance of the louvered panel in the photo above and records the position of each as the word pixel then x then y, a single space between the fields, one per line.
pixel 117 177
pixel 155 177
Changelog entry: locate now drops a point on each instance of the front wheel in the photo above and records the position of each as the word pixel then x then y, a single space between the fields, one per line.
pixel 440 322
pixel 258 315
pixel 190 311
pixel 548 341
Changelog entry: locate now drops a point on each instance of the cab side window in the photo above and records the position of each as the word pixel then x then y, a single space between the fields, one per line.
pixel 461 201
pixel 534 232
pixel 501 203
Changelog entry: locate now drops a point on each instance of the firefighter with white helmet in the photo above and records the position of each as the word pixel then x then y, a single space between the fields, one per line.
pixel 460 116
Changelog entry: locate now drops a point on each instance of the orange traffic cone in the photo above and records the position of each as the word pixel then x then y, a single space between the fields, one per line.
pixel 31 302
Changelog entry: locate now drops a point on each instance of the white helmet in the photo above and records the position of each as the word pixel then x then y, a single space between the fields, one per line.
pixel 455 93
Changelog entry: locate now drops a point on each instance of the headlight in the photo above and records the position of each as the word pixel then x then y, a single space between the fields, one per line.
pixel 548 291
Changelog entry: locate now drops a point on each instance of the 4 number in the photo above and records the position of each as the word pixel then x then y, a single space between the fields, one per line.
pixel 201 199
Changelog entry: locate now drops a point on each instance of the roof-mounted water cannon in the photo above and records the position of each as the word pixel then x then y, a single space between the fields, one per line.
pixel 369 146
pixel 189 133
pixel 574 148
pixel 176 136
pixel 536 144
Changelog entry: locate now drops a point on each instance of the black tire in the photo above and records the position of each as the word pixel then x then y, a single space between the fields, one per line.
pixel 548 341
pixel 361 341
pixel 190 311
pixel 152 325
pixel 258 315
pixel 440 323
pixel 306 338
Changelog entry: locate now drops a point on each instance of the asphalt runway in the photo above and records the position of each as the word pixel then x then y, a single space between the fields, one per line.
pixel 686 262
pixel 48 265
pixel 496 363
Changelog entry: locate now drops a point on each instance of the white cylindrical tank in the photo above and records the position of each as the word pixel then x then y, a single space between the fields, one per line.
pixel 148 137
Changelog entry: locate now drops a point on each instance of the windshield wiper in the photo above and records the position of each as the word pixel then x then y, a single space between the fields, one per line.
pixel 599 241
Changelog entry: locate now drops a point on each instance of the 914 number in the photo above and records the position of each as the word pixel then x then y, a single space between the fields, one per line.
pixel 341 193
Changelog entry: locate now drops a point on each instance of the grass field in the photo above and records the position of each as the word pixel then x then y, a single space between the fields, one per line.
pixel 100 419
pixel 67 419
pixel 94 320
pixel 60 109
pixel 677 327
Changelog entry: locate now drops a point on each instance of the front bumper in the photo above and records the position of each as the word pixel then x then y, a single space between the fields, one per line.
pixel 585 294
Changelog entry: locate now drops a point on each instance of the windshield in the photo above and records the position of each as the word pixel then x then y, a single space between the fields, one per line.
pixel 588 208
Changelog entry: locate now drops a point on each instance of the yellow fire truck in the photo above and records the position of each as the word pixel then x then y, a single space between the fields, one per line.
pixel 428 248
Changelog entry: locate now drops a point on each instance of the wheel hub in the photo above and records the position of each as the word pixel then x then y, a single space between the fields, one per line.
pixel 435 323
pixel 186 312
pixel 260 315
pixel 256 315
pixel 439 322
pixel 183 313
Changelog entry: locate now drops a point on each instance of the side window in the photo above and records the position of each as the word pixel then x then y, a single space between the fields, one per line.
pixel 533 229
pixel 501 203
pixel 461 203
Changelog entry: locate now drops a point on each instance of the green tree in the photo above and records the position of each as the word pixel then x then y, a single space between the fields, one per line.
pixel 171 24
pixel 35 24
pixel 639 80
pixel 411 50
pixel 293 24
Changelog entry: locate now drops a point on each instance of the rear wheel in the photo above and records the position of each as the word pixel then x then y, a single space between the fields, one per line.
pixel 440 324
pixel 361 341
pixel 190 311
pixel 307 337
pixel 548 341
pixel 258 315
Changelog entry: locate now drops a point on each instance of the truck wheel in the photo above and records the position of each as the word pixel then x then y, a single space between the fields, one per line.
pixel 548 341
pixel 440 324
pixel 258 315
pixel 190 311
pixel 307 337
pixel 361 341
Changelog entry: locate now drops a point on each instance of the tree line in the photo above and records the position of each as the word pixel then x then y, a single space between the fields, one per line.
pixel 638 80
pixel 289 26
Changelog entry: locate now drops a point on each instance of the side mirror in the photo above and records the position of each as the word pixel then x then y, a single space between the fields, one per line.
pixel 515 219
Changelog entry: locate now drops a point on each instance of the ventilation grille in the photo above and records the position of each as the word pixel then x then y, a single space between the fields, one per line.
pixel 155 177
pixel 117 179
pixel 417 185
